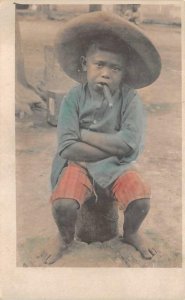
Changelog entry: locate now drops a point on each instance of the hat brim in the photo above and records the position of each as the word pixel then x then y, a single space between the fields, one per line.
pixel 144 63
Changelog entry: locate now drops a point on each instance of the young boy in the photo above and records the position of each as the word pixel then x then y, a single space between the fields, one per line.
pixel 101 123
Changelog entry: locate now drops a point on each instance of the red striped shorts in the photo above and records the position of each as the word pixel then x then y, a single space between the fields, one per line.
pixel 74 183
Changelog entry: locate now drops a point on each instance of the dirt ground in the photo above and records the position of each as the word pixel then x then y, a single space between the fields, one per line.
pixel 160 163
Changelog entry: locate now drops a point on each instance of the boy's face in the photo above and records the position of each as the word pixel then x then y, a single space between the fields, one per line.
pixel 104 67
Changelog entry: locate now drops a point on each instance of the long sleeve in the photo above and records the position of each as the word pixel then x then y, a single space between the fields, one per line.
pixel 67 131
pixel 133 126
pixel 68 121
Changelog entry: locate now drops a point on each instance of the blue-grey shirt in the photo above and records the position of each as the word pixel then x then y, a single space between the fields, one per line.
pixel 126 118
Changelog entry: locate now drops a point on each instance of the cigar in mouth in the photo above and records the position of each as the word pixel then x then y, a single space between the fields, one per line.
pixel 107 94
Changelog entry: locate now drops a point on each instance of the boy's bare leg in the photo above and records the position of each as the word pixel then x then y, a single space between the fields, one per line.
pixel 65 215
pixel 133 217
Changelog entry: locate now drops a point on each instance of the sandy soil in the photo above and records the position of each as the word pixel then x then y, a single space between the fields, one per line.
pixel 160 162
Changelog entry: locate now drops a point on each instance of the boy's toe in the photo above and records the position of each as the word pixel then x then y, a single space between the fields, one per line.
pixel 146 253
pixel 51 259
pixel 46 259
pixel 153 251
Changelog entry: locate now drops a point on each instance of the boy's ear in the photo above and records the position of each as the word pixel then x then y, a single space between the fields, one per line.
pixel 83 63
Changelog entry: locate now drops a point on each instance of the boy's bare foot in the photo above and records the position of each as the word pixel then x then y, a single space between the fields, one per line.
pixel 52 258
pixel 136 241
pixel 56 249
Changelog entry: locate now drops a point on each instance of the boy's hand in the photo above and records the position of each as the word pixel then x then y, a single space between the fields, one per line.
pixel 83 133
pixel 81 163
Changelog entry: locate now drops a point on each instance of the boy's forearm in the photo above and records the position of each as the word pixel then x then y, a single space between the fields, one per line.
pixel 105 142
pixel 80 151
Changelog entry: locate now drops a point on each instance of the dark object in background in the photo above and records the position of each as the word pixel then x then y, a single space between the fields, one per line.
pixel 95 7
pixel 22 6
pixel 54 99
pixel 54 94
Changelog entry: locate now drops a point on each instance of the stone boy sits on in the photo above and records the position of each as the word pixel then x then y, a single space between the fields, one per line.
pixel 101 123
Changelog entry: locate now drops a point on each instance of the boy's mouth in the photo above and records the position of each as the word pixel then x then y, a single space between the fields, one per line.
pixel 102 84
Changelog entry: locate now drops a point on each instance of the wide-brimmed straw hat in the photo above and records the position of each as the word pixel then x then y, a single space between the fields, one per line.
pixel 143 65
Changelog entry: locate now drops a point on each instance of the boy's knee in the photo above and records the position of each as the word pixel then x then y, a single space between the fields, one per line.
pixel 139 206
pixel 143 205
pixel 63 206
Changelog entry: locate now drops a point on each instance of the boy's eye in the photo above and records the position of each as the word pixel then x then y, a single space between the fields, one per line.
pixel 99 64
pixel 115 68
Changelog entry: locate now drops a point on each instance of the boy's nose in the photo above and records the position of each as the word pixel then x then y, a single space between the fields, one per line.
pixel 105 73
pixel 106 76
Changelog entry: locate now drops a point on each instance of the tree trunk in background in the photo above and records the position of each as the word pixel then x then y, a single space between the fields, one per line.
pixel 25 93
pixel 44 11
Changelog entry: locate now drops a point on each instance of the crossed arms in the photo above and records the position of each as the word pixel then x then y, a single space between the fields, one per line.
pixel 96 146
